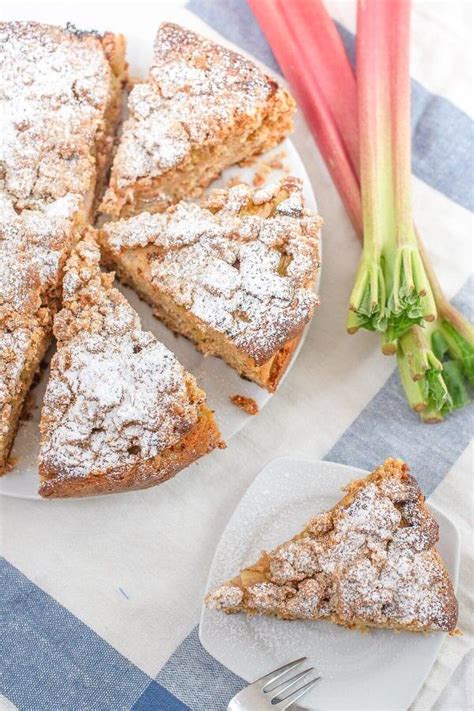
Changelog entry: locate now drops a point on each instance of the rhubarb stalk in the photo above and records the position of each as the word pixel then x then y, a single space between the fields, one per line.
pixel 436 362
pixel 316 93
pixel 391 290
pixel 369 295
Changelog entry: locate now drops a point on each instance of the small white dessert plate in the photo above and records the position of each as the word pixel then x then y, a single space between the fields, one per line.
pixel 379 670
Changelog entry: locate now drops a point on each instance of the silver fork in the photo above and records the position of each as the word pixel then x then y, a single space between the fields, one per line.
pixel 259 695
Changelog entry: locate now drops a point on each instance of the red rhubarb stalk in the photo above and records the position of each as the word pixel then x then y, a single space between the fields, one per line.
pixel 337 83
pixel 315 105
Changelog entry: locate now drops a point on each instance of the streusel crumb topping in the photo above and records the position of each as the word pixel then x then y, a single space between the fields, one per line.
pixel 197 93
pixel 54 87
pixel 33 247
pixel 370 560
pixel 116 396
pixel 244 262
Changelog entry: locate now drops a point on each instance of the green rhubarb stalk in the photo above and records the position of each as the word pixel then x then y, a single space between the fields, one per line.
pixel 436 362
pixel 411 298
pixel 457 332
pixel 435 366
pixel 439 358
pixel 421 373
pixel 368 302
pixel 391 291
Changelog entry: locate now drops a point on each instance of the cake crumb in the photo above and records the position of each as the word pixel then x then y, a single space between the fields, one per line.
pixel 266 167
pixel 261 175
pixel 248 162
pixel 278 161
pixel 10 464
pixel 247 404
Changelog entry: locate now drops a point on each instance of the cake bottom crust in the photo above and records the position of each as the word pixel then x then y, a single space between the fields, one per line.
pixel 359 625
pixel 201 439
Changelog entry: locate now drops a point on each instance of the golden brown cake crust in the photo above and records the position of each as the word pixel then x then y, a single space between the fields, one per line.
pixel 119 411
pixel 203 108
pixel 370 561
pixel 200 440
pixel 236 275
pixel 60 94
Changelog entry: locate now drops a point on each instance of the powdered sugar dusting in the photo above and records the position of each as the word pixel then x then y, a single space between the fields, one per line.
pixel 54 88
pixel 235 262
pixel 33 247
pixel 198 94
pixel 364 570
pixel 33 244
pixel 116 396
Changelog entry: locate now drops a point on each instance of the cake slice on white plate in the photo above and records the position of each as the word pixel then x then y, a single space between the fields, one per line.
pixel 60 97
pixel 119 412
pixel 370 561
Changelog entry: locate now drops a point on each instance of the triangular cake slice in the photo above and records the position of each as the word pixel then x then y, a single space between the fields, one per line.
pixel 370 561
pixel 203 108
pixel 33 248
pixel 120 412
pixel 235 274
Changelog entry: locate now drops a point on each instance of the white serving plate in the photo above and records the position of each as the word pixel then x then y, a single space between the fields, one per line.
pixel 217 379
pixel 379 670
pixel 139 23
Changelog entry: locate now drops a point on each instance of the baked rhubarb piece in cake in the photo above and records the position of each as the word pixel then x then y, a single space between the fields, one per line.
pixel 60 101
pixel 202 109
pixel 235 274
pixel 370 561
pixel 119 412
pixel 33 247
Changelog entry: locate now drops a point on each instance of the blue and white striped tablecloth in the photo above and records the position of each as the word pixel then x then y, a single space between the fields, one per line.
pixel 99 599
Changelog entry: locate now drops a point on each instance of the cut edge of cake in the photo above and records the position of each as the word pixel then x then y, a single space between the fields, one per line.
pixel 370 561
pixel 272 273
pixel 120 412
pixel 33 248
pixel 106 139
pixel 203 108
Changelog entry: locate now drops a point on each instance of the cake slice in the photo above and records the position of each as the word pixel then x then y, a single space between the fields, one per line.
pixel 33 247
pixel 202 109
pixel 119 411
pixel 60 102
pixel 370 561
pixel 236 275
